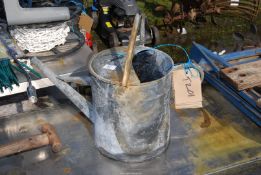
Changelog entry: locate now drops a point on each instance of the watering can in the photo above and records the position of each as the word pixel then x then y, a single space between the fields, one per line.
pixel 130 106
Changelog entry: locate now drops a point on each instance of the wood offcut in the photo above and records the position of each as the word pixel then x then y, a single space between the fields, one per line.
pixel 243 76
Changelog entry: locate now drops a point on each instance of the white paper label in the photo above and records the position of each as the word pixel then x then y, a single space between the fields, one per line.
pixel 187 89
pixel 234 3
pixel 109 67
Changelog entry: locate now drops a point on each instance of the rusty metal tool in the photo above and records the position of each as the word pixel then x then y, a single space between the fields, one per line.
pixel 49 136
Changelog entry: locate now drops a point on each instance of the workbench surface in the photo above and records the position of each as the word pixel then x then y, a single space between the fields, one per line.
pixel 215 140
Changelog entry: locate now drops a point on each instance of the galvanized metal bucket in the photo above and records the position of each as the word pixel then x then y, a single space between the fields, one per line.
pixel 132 124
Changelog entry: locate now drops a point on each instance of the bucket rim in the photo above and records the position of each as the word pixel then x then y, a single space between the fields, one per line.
pixel 112 82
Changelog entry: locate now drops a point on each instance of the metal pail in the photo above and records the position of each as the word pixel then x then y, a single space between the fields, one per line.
pixel 132 124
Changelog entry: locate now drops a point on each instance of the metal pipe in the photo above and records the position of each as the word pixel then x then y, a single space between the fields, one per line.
pixel 16 15
pixel 79 101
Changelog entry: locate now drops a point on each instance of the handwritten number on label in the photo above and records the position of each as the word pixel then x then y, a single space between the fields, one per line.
pixel 188 86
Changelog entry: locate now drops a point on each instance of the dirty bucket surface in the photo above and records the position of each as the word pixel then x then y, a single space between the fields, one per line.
pixel 132 124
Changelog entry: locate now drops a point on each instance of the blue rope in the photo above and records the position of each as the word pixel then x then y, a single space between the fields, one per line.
pixel 186 65
pixel 175 45
pixel 79 4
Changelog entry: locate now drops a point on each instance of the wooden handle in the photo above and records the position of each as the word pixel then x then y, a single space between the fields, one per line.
pixel 54 139
pixel 128 62
pixel 49 136
pixel 24 145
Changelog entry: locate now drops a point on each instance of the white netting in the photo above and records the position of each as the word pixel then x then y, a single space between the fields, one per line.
pixel 39 39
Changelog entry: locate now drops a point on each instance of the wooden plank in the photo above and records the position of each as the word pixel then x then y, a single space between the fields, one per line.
pixel 251 58
pixel 244 76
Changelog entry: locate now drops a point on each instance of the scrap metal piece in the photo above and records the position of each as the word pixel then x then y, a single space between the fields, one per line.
pixel 16 15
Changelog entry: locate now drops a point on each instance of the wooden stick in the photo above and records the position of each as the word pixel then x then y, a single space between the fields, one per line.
pixel 24 145
pixel 128 62
pixel 49 137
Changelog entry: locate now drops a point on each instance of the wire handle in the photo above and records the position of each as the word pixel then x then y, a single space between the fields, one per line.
pixel 188 64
